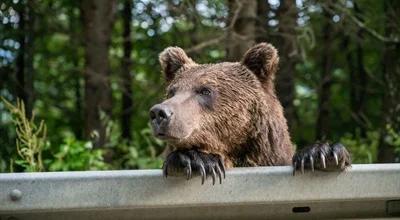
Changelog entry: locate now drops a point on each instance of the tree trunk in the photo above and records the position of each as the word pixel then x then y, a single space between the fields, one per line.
pixel 76 118
pixel 287 15
pixel 78 130
pixel 127 93
pixel 359 81
pixel 391 78
pixel 324 90
pixel 20 61
pixel 25 71
pixel 98 17
pixel 242 21
pixel 262 29
pixel 29 49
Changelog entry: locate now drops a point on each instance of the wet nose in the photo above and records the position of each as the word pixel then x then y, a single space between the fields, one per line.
pixel 160 113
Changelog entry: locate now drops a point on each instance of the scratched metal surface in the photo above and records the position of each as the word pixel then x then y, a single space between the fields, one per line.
pixel 363 191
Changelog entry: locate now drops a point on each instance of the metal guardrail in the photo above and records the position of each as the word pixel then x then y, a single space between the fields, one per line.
pixel 363 191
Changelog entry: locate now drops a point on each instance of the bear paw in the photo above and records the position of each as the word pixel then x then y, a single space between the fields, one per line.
pixel 189 161
pixel 322 156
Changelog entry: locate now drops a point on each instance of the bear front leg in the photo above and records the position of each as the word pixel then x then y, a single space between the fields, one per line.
pixel 189 161
pixel 322 156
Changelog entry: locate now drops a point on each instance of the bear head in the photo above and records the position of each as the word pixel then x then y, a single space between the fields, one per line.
pixel 214 104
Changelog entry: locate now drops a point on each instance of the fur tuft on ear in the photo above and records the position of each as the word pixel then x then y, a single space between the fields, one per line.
pixel 262 60
pixel 171 60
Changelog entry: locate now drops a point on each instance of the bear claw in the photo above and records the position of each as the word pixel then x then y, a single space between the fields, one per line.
pixel 189 161
pixel 321 156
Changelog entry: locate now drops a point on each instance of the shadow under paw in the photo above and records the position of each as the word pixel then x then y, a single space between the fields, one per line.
pixel 193 161
pixel 322 156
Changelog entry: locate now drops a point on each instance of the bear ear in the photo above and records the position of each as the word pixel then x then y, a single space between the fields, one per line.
pixel 171 60
pixel 262 60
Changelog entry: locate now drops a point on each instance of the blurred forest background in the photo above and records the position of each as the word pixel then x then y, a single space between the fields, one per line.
pixel 88 72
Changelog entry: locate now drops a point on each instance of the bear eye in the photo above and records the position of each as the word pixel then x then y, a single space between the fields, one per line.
pixel 204 92
pixel 171 93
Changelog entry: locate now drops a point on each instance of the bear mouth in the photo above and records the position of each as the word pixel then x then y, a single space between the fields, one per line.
pixel 164 136
pixel 161 135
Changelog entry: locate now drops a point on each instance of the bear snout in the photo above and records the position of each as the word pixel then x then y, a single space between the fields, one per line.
pixel 160 116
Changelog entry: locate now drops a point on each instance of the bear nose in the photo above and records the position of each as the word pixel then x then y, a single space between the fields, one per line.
pixel 160 113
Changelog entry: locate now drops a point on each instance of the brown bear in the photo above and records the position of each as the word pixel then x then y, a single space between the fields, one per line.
pixel 228 115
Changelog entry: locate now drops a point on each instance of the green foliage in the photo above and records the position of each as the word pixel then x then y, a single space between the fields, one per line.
pixel 141 153
pixel 31 138
pixel 365 149
pixel 73 154
pixel 362 149
pixel 392 138
pixel 76 155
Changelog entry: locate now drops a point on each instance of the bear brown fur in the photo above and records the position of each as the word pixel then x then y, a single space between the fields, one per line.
pixel 228 113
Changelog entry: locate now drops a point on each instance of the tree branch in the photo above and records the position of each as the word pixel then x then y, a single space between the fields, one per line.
pixel 362 25
pixel 227 30
pixel 205 44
